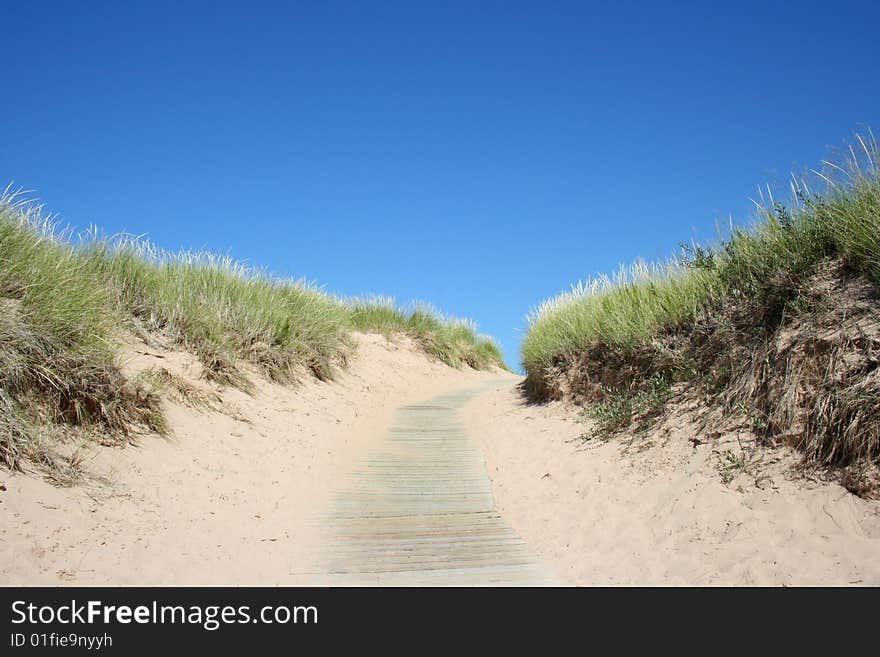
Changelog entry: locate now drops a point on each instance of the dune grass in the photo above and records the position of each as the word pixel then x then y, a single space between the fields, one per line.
pixel 56 355
pixel 623 310
pixel 223 311
pixel 455 342
pixel 763 260
pixel 710 315
pixel 65 299
pixel 161 380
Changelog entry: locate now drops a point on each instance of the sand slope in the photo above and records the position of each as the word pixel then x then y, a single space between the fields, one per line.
pixel 660 513
pixel 242 496
pixel 419 510
pixel 231 497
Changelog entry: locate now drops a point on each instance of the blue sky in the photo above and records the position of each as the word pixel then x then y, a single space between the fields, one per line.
pixel 480 156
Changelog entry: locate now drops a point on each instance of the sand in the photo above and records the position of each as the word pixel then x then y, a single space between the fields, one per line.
pixel 231 498
pixel 238 497
pixel 658 512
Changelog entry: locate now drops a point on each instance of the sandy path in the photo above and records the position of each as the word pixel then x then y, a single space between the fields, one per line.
pixel 659 513
pixel 232 496
pixel 420 511
pixel 383 477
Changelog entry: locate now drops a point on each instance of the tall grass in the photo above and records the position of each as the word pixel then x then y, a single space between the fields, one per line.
pixel 760 262
pixel 56 354
pixel 57 294
pixel 224 311
pixel 455 342
pixel 712 318
pixel 64 301
pixel 622 310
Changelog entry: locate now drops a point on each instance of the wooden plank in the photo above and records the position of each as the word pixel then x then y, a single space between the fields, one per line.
pixel 421 512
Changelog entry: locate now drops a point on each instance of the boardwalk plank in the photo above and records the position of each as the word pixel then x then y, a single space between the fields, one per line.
pixel 421 511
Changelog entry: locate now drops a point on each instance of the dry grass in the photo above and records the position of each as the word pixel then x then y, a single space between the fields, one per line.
pixel 160 381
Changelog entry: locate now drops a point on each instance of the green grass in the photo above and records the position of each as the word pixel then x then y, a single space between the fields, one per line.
pixel 761 262
pixel 455 342
pixel 223 311
pixel 65 300
pixel 623 310
pixel 56 350
pixel 710 314
pixel 620 409
pixel 56 293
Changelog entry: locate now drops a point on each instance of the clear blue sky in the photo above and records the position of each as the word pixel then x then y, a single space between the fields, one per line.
pixel 480 156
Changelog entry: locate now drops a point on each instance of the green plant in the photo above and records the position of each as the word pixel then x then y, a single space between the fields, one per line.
pixel 621 409
pixel 455 342
pixel 65 299
pixel 730 464
pixel 610 416
pixel 714 319
pixel 763 264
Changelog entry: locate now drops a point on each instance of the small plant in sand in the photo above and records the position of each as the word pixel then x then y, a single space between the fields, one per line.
pixel 621 410
pixel 730 464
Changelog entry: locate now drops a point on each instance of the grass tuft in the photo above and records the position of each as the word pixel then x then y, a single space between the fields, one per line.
pixel 621 409
pixel 159 380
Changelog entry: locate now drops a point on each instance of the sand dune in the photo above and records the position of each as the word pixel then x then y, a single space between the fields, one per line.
pixel 241 495
pixel 231 498
pixel 659 514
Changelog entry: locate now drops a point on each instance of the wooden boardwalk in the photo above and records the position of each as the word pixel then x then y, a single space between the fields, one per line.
pixel 421 512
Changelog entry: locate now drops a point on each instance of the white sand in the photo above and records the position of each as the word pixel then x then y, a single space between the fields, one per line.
pixel 662 515
pixel 237 497
pixel 223 501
